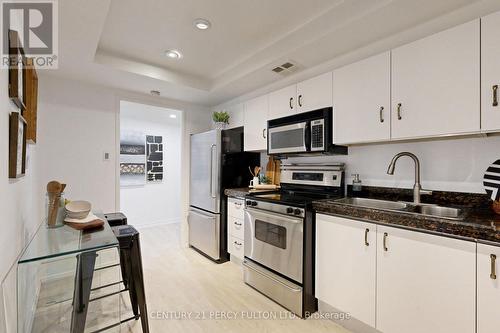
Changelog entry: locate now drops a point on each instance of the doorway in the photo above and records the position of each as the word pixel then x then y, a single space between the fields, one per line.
pixel 150 164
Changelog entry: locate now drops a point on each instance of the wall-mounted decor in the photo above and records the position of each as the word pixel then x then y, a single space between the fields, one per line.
pixel 31 101
pixel 154 148
pixel 132 159
pixel 17 72
pixel 17 145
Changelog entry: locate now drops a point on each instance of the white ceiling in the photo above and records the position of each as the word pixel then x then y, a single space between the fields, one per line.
pixel 120 43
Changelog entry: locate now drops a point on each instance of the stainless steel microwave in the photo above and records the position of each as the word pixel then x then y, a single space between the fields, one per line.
pixel 304 133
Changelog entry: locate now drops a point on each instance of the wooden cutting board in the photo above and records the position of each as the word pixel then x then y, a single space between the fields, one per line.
pixel 270 169
pixel 277 172
pixel 98 223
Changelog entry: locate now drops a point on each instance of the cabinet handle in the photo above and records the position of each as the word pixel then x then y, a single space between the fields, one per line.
pixel 495 95
pixel 237 203
pixel 238 224
pixel 399 111
pixel 366 237
pixel 385 241
pixel 381 114
pixel 290 103
pixel 264 133
pixel 300 100
pixel 237 244
pixel 493 259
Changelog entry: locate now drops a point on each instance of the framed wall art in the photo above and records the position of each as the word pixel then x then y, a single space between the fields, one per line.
pixel 132 159
pixel 154 158
pixel 31 101
pixel 17 145
pixel 17 71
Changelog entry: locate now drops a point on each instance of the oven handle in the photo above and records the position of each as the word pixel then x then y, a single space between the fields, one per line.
pixel 288 218
pixel 245 263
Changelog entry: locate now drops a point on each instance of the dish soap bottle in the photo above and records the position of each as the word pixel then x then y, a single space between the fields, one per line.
pixel 356 183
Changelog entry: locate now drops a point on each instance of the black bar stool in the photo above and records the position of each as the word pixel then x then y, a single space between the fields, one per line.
pixel 131 266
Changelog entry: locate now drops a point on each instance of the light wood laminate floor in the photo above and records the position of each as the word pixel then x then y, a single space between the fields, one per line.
pixel 181 282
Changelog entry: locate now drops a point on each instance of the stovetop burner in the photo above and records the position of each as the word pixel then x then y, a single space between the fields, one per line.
pixel 297 198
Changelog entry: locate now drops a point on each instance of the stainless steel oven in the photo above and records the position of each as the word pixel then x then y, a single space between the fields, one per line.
pixel 275 240
pixel 303 133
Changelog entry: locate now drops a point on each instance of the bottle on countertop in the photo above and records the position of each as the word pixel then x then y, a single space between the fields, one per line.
pixel 356 183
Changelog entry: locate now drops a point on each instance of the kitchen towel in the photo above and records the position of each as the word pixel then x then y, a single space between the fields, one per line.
pixel 491 181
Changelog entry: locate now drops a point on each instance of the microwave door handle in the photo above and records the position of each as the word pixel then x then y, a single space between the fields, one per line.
pixel 307 136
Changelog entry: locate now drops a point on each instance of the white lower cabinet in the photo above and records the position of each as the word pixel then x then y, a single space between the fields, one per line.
pixel 425 283
pixel 346 266
pixel 488 289
pixel 236 234
pixel 236 247
pixel 398 280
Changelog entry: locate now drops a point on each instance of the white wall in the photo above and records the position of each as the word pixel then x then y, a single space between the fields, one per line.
pixel 453 164
pixel 18 212
pixel 78 122
pixel 154 203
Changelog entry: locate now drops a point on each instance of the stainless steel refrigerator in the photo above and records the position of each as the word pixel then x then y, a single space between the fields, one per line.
pixel 217 162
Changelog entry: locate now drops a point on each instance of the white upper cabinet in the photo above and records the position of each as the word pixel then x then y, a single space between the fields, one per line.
pixel 283 102
pixel 425 283
pixel 236 115
pixel 315 93
pixel 435 84
pixel 346 266
pixel 490 72
pixel 362 101
pixel 488 288
pixel 256 114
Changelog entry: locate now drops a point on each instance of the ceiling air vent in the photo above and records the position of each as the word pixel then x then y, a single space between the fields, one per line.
pixel 286 68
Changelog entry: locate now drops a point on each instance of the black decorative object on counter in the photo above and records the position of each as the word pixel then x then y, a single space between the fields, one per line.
pixel 491 181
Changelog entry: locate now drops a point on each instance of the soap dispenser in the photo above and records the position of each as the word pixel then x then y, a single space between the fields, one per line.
pixel 356 183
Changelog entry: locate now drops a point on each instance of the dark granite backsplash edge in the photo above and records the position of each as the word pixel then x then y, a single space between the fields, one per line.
pixel 443 198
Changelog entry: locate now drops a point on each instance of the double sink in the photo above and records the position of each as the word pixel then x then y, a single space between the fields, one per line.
pixel 406 207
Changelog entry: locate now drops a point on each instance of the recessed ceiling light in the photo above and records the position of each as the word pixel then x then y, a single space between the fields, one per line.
pixel 173 54
pixel 173 116
pixel 202 24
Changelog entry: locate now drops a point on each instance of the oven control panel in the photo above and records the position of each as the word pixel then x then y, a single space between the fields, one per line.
pixel 276 208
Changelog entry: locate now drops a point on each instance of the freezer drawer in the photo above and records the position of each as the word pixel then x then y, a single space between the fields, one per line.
pixel 204 232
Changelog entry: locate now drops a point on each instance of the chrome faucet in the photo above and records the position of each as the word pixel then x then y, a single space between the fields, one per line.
pixel 417 187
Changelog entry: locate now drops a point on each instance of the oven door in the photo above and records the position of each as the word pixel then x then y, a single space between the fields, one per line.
pixel 288 139
pixel 275 241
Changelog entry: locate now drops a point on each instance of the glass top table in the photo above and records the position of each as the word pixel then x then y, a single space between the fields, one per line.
pixel 69 280
pixel 54 242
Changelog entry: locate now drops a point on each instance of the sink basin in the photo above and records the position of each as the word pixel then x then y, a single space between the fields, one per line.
pixel 438 211
pixel 373 203
pixel 405 207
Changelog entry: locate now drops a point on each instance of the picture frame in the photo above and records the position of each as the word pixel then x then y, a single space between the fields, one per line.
pixel 31 101
pixel 17 145
pixel 17 70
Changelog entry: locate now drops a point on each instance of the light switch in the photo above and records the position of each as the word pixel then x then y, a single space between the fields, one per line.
pixel 106 156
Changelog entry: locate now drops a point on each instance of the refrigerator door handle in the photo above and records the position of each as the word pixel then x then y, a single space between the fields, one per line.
pixel 212 194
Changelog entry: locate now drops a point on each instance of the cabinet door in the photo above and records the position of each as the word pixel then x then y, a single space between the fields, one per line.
pixel 282 102
pixel 490 72
pixel 315 93
pixel 488 289
pixel 425 283
pixel 236 115
pixel 362 101
pixel 435 84
pixel 345 266
pixel 256 123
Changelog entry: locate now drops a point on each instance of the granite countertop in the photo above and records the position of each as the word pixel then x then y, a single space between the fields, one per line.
pixel 237 192
pixel 480 224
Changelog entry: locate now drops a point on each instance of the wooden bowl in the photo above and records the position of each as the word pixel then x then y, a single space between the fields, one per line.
pixel 496 207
